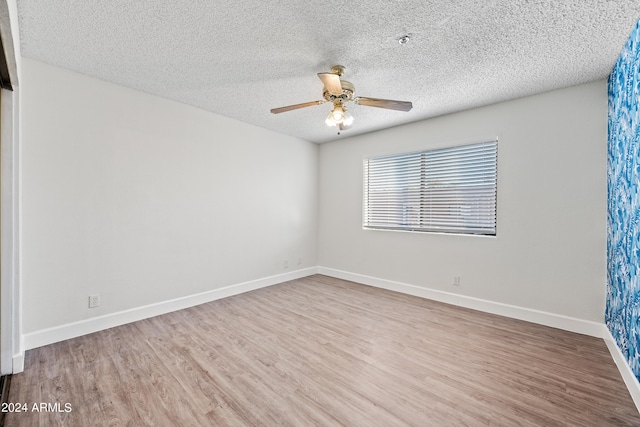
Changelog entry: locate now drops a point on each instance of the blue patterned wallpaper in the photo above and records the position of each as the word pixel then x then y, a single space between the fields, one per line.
pixel 623 201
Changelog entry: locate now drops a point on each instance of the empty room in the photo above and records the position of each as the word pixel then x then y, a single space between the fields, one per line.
pixel 419 213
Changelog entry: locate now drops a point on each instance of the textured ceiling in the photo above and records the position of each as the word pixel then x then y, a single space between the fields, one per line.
pixel 240 58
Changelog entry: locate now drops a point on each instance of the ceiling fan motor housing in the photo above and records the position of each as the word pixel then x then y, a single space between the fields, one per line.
pixel 347 93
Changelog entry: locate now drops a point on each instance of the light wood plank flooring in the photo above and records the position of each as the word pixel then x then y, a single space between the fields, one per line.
pixel 322 351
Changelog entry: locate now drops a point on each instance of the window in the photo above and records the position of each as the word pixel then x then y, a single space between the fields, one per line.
pixel 449 190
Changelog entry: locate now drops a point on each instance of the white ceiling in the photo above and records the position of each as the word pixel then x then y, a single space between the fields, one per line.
pixel 240 58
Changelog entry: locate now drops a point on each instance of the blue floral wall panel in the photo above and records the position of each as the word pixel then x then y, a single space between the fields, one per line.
pixel 623 199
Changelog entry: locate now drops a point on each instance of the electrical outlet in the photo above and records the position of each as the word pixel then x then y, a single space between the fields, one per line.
pixel 456 280
pixel 285 263
pixel 94 301
pixel 299 260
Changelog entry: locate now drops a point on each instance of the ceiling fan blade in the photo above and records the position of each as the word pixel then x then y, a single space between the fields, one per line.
pixel 296 106
pixel 384 103
pixel 331 82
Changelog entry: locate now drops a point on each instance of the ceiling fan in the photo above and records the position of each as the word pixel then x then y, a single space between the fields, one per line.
pixel 339 92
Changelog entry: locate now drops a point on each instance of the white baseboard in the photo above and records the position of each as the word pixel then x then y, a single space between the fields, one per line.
pixel 18 363
pixel 95 324
pixel 625 370
pixel 566 323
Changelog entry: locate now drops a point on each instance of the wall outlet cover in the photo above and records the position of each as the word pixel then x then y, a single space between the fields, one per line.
pixel 94 301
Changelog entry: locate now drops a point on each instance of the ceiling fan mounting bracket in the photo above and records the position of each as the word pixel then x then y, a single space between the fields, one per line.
pixel 337 69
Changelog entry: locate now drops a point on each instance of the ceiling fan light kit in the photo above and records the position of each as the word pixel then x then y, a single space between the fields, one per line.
pixel 339 92
pixel 339 116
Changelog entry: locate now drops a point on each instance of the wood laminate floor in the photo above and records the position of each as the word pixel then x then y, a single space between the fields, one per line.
pixel 322 351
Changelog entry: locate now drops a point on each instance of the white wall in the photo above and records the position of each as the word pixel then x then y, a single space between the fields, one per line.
pixel 143 200
pixel 550 251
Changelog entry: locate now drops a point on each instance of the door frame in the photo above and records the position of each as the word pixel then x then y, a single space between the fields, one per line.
pixel 11 349
pixel 11 354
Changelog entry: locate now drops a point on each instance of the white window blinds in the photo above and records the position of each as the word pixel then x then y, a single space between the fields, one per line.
pixel 450 190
